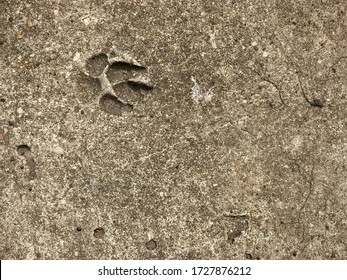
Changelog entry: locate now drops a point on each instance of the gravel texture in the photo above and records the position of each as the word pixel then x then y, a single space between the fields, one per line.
pixel 173 129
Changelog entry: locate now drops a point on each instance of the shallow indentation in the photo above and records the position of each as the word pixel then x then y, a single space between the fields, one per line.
pixel 239 223
pixel 151 244
pixel 248 256
pixel 24 150
pixel 96 65
pixel 121 71
pixel 111 105
pixel 317 103
pixel 127 93
pixel 233 235
pixel 138 86
pixel 99 232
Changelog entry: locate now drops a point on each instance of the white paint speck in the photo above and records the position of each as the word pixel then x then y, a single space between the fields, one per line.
pixel 199 94
pixel 20 111
pixel 77 57
pixel 213 40
pixel 86 21
pixel 58 150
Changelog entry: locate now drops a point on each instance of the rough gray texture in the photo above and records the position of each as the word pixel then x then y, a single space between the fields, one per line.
pixel 257 172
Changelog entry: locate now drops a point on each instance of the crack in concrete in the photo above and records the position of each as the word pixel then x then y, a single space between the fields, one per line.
pixel 310 182
pixel 272 83
pixel 331 68
pixel 314 102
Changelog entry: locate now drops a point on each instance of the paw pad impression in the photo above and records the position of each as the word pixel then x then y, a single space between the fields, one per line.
pixel 123 81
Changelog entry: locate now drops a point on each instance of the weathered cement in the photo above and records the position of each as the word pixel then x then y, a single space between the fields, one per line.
pixel 259 171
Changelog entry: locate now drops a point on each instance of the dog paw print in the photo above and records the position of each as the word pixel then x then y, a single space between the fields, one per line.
pixel 124 82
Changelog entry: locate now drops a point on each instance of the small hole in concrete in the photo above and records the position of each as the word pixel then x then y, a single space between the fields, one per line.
pixel 175 61
pixel 151 244
pixel 11 123
pixel 22 149
pixel 99 232
pixel 295 253
pixel 317 103
pixel 30 189
pixel 233 235
pixel 77 109
pixel 248 256
pixel 2 100
pixel 79 229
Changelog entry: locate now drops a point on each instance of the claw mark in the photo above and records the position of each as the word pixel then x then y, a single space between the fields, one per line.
pixel 140 83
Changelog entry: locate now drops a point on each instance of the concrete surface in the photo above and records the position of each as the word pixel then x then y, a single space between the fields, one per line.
pixel 236 150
